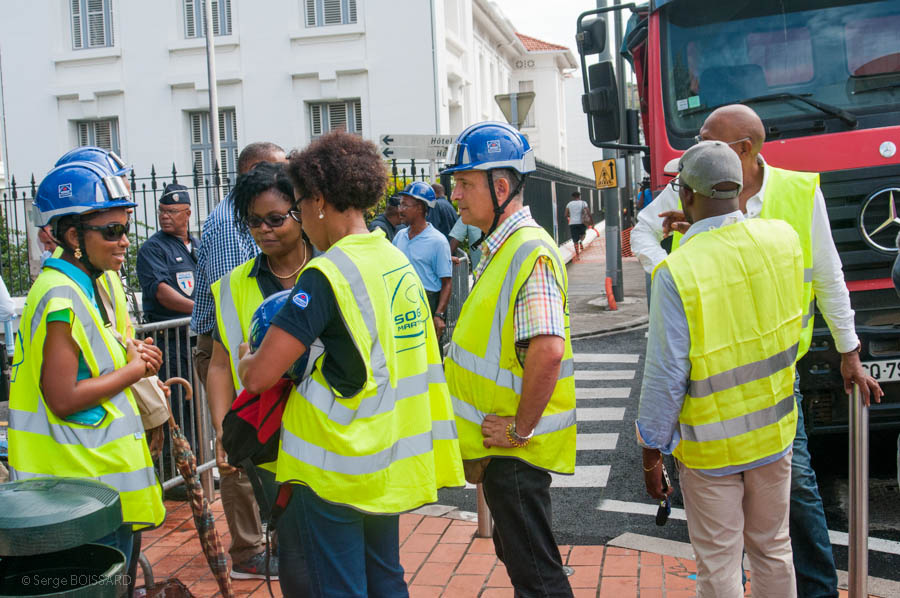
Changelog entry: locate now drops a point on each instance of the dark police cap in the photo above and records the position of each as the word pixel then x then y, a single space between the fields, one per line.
pixel 175 194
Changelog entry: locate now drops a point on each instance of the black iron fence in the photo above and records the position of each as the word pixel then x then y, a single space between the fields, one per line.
pixel 549 189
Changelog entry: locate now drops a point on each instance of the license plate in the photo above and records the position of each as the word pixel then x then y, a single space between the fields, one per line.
pixel 883 371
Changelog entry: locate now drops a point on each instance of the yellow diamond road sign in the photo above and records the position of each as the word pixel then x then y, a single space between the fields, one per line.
pixel 605 174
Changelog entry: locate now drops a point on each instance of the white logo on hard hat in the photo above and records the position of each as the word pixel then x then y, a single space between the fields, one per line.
pixel 493 146
pixel 65 190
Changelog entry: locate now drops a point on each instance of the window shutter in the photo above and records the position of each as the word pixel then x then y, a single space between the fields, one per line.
pixel 352 15
pixel 337 117
pixel 198 160
pixel 77 41
pixel 96 21
pixel 190 24
pixel 310 13
pixel 109 25
pixel 215 16
pixel 234 126
pixel 357 113
pixel 103 134
pixel 84 134
pixel 222 127
pixel 227 17
pixel 196 128
pixel 331 12
pixel 315 112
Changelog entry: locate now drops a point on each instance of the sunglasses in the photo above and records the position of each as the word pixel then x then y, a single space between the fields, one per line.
pixel 273 220
pixel 112 231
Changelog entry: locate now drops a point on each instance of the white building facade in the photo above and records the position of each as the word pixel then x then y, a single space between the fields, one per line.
pixel 132 76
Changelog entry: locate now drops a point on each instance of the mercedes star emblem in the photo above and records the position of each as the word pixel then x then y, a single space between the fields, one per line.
pixel 871 227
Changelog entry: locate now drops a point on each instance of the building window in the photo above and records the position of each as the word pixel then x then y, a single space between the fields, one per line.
pixel 201 144
pixel 529 119
pixel 335 116
pixel 101 133
pixel 194 18
pixel 330 12
pixel 92 24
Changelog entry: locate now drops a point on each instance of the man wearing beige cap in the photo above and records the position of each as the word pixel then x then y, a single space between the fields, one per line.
pixel 718 388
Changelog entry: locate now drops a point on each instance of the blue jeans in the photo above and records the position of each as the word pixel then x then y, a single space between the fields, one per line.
pixel 348 553
pixel 813 559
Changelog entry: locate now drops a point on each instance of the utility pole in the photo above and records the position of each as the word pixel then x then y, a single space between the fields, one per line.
pixel 611 197
pixel 213 96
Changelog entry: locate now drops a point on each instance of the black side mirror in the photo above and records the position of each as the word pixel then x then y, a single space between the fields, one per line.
pixel 591 36
pixel 601 103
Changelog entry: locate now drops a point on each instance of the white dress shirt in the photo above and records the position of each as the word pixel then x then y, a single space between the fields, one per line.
pixel 831 292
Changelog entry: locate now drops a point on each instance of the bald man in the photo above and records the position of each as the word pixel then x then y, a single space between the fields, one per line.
pixel 795 197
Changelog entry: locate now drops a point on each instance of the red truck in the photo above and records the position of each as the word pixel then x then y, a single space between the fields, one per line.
pixel 824 76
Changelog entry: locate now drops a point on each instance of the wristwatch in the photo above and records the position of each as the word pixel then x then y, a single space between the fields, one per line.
pixel 441 314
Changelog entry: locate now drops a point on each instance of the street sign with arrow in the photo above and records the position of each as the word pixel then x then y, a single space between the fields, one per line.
pixel 416 147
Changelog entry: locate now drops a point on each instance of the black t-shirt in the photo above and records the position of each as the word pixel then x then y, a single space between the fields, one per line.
pixel 312 312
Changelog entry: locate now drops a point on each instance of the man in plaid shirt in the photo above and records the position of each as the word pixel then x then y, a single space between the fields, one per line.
pixel 225 246
pixel 512 386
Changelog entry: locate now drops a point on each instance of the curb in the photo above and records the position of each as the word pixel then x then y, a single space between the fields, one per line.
pixel 625 326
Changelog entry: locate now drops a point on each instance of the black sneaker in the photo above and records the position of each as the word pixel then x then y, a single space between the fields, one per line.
pixel 255 568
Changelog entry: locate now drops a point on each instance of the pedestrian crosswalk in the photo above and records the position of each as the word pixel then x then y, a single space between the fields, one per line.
pixel 604 389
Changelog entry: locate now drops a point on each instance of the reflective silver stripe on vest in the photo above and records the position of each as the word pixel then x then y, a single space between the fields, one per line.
pixel 95 337
pixel 809 314
pixel 131 481
pixel 546 425
pixel 738 425
pixel 75 434
pixel 232 325
pixel 495 340
pixel 745 373
pixel 807 275
pixel 411 446
pixel 492 371
pixel 323 398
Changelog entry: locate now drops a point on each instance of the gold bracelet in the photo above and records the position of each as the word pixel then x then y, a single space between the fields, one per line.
pixel 513 441
pixel 654 466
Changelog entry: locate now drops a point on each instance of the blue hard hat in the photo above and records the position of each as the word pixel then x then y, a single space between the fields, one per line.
pixel 79 188
pixel 107 159
pixel 490 145
pixel 422 191
pixel 259 325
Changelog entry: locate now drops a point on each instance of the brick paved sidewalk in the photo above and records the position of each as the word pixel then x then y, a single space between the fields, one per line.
pixel 441 556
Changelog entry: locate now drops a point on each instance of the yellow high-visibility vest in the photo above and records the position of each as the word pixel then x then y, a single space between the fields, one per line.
pixel 484 372
pixel 42 444
pixel 790 196
pixel 120 318
pixel 741 288
pixel 390 446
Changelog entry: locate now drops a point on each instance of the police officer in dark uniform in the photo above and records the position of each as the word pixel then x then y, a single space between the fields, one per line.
pixel 166 269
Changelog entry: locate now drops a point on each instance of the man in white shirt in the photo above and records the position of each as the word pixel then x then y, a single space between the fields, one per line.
pixel 576 210
pixel 741 128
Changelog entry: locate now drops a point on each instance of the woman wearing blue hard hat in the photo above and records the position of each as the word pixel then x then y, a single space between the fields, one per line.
pixel 369 434
pixel 264 203
pixel 72 412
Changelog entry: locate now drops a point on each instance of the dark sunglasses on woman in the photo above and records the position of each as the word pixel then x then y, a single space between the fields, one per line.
pixel 112 231
pixel 273 220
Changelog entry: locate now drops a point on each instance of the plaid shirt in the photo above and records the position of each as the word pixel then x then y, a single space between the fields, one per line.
pixel 540 304
pixel 224 246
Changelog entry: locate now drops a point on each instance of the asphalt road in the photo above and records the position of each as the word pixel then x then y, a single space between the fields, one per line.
pixel 609 480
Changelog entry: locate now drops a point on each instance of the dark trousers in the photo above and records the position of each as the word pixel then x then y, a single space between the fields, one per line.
pixel 519 498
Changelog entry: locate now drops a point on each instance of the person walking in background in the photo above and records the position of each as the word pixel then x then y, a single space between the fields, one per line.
pixel 426 249
pixel 719 379
pixel 509 366
pixel 578 215
pixel 389 220
pixel 442 214
pixel 796 198
pixel 264 204
pixel 166 265
pixel 645 196
pixel 369 434
pixel 72 412
pixel 225 247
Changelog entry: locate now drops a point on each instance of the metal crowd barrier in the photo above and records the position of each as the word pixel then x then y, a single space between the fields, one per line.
pixel 176 340
pixel 458 295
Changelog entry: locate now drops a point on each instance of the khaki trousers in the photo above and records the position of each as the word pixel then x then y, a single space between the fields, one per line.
pixel 238 500
pixel 747 510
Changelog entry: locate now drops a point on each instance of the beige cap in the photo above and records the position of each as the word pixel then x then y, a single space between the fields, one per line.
pixel 709 163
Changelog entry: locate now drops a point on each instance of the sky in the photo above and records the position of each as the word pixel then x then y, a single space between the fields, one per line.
pixel 556 25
